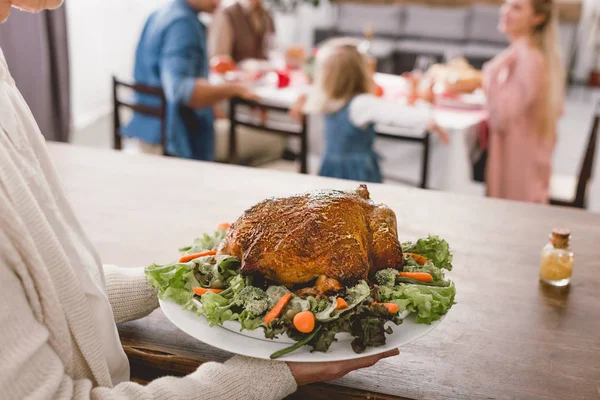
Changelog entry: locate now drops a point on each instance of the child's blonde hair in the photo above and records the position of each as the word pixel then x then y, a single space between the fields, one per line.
pixel 341 73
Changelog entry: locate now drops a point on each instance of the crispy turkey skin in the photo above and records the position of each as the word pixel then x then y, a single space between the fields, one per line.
pixel 293 240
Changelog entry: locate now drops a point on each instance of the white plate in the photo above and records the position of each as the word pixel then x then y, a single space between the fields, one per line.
pixel 254 344
pixel 471 101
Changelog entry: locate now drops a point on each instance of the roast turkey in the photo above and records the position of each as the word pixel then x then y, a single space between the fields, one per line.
pixel 293 240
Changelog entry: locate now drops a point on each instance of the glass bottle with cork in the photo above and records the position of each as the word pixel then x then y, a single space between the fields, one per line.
pixel 557 259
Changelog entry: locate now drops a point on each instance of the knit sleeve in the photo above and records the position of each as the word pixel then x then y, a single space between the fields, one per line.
pixel 130 294
pixel 238 378
pixel 30 367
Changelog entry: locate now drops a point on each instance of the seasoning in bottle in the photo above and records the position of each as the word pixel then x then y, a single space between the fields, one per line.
pixel 557 259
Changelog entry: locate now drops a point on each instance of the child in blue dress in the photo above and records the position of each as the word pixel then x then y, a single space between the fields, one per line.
pixel 342 93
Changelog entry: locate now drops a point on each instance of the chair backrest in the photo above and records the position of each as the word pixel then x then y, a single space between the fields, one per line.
pixel 585 173
pixel 159 111
pixel 282 128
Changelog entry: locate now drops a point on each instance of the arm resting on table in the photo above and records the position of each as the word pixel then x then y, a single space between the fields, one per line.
pixel 367 109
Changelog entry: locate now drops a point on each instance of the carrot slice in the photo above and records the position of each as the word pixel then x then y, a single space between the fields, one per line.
pixel 224 225
pixel 277 309
pixel 341 304
pixel 418 276
pixel 421 260
pixel 200 290
pixel 391 307
pixel 190 257
pixel 304 321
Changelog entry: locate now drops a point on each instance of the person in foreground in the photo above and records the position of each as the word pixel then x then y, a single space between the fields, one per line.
pixel 342 93
pixel 524 86
pixel 172 53
pixel 59 306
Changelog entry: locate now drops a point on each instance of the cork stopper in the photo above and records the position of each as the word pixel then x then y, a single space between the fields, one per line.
pixel 560 238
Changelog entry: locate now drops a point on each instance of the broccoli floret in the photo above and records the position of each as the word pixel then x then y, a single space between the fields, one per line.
pixel 386 277
pixel 253 299
pixel 257 307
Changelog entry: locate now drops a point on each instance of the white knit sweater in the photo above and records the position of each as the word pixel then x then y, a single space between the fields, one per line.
pixel 51 344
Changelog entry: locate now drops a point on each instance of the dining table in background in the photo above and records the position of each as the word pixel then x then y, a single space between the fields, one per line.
pixel 450 165
pixel 508 336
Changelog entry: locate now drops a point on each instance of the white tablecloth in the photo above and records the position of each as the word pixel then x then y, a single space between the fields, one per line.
pixel 450 166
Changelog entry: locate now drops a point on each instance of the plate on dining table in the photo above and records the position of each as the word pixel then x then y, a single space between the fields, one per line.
pixel 253 343
pixel 468 101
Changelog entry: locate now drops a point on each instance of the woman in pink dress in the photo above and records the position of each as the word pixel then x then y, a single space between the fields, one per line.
pixel 525 88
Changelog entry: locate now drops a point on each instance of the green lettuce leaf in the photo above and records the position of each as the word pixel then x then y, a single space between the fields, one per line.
pixel 216 308
pixel 354 296
pixel 429 302
pixel 316 306
pixel 326 314
pixel 368 327
pixel 204 243
pixel 357 294
pixel 217 272
pixel 298 304
pixel 434 248
pixel 173 281
pixel 250 321
pixel 326 336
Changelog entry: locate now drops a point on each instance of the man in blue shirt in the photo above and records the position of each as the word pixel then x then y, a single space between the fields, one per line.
pixel 172 54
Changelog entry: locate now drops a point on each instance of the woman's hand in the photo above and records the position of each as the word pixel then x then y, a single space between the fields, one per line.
pixel 307 373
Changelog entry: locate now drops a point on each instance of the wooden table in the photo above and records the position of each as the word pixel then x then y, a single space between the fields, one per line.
pixel 438 166
pixel 507 338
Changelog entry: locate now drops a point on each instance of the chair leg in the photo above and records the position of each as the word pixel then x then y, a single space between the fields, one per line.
pixel 304 148
pixel 232 133
pixel 117 143
pixel 425 166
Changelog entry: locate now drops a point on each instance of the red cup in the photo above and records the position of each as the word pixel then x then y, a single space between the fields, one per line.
pixel 283 79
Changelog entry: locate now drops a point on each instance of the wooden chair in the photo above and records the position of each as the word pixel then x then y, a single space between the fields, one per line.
pixel 159 111
pixel 569 191
pixel 277 128
pixel 422 139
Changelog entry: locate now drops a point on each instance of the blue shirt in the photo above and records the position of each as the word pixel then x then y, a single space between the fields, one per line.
pixel 349 150
pixel 172 54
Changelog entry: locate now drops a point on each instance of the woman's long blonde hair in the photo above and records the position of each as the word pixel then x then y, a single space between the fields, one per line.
pixel 341 73
pixel 546 35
